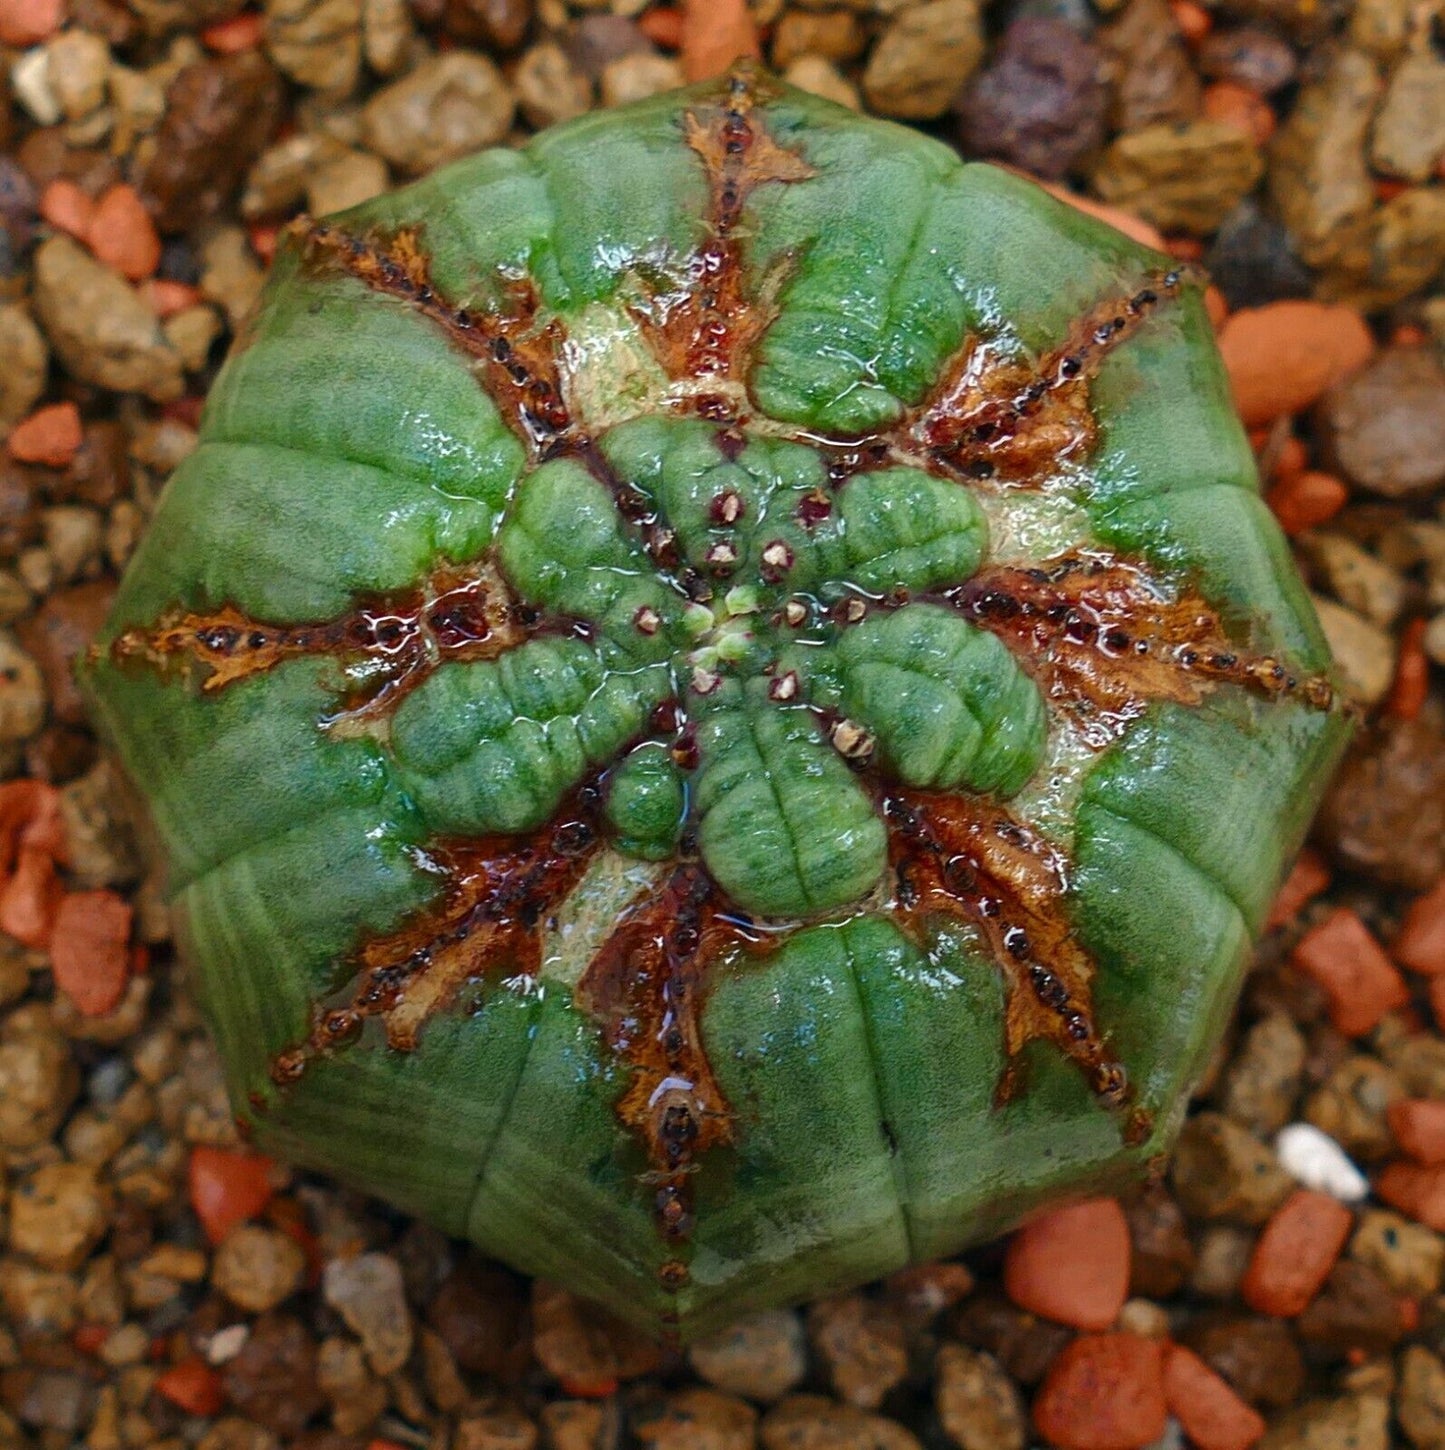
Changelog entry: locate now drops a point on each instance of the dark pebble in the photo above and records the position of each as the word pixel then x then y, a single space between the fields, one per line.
pixel 1023 1344
pixel 595 41
pixel 1259 1357
pixel 1163 1256
pixel 1250 56
pixel 273 1379
pixel 220 113
pixel 1252 261
pixel 1355 1311
pixel 480 1312
pixel 1040 103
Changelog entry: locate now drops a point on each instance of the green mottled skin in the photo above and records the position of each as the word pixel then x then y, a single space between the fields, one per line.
pixel 347 449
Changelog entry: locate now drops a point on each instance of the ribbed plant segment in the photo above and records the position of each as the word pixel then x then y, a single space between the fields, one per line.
pixel 719 702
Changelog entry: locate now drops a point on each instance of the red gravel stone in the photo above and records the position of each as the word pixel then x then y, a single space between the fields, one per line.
pixel 1295 1253
pixel 1207 1408
pixel 1071 1264
pixel 1104 1392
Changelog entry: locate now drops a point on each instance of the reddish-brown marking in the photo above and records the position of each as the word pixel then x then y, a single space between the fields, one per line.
pixel 516 349
pixel 488 921
pixel 455 615
pixel 1102 641
pixel 965 856
pixel 997 417
pixel 708 323
pixel 646 988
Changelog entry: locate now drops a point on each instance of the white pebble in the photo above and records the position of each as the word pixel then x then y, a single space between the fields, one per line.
pixel 1314 1159
pixel 30 81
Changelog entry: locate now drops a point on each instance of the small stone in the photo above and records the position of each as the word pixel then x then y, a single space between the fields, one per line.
pixel 58 1215
pixel 581 1344
pixel 1071 1264
pixel 820 77
pixel 1023 1344
pixel 1181 177
pixel 1103 1390
pixel 25 22
pixel 230 276
pixel 697 1419
pixel 22 692
pixel 636 77
pixel 835 35
pixel 38 1078
pixel 1420 1399
pixel 1249 55
pixel 860 1342
pixel 1222 1171
pixel 1352 1106
pixel 1262 1081
pixel 1355 1311
pixel 72 539
pixel 1148 67
pixel 1406 1255
pixel 1385 813
pixel 192 332
pixel 478 1311
pixel 1408 139
pixel 1039 104
pixel 1317 172
pixel 1394 252
pixel 447 107
pixel 63 626
pixel 1385 425
pixel 595 41
pixel 256 1268
pixel 1295 1253
pixel 1364 654
pixel 1354 1422
pixel 277 180
pixel 1356 577
pixel 1416 1058
pixel 367 1292
pixel 316 42
pixel 979 1407
pixel 1382 28
pixel 40 1302
pixel 272 1381
pixel 388 34
pixel 760 1357
pixel 346 181
pixel 219 115
pixel 922 58
pixel 22 379
pixel 581 1424
pixel 811 1422
pixel 1258 1357
pixel 1161 1255
pixel 492 25
pixel 77 67
pixel 357 1398
pixel 506 1429
pixel 30 85
pixel 1314 1159
pixel 549 88
pixel 99 326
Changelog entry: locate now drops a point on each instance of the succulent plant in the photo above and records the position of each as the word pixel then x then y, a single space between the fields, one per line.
pixel 719 700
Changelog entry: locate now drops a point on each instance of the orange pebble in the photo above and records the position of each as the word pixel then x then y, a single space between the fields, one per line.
pixel 227 1187
pixel 1238 106
pixel 240 32
pixel 32 836
pixel 28 22
pixel 89 950
pixel 1307 878
pixel 122 234
pixel 1436 994
pixel 1071 1264
pixel 1104 1392
pixel 1412 673
pixel 1290 459
pixel 1361 982
pixel 67 208
pixel 193 1386
pixel 1295 1253
pixel 1184 249
pixel 51 435
pixel 263 237
pixel 1419 1128
pixel 1306 500
pixel 714 34
pixel 1417 1190
pixel 662 26
pixel 1193 20
pixel 1421 942
pixel 1206 1406
pixel 1281 357
pixel 1409 334
pixel 166 298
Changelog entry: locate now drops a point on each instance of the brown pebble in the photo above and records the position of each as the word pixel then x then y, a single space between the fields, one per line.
pixel 1258 1356
pixel 273 1379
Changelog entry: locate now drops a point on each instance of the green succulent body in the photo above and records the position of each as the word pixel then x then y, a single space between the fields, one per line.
pixel 719 701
